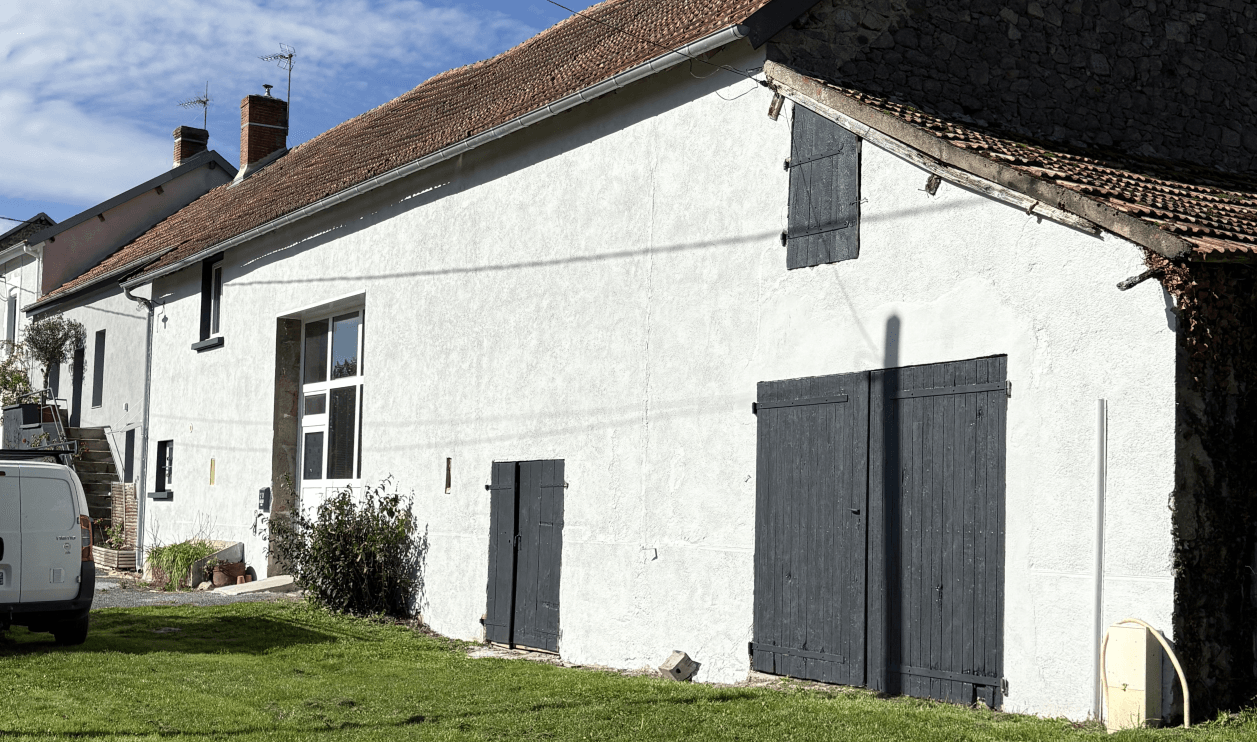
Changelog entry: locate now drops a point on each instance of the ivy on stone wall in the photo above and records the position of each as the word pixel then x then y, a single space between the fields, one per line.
pixel 1215 497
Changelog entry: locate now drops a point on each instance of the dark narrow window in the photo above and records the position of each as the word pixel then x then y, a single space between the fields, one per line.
pixel 98 370
pixel 216 298
pixel 211 295
pixel 824 214
pixel 313 456
pixel 316 404
pixel 128 457
pixel 10 333
pixel 165 464
pixel 341 426
pixel 316 353
pixel 345 346
pixel 360 415
pixel 54 380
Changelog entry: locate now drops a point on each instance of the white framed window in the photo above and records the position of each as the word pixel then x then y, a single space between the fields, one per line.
pixel 331 406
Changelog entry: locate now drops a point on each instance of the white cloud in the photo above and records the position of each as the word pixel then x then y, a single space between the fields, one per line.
pixel 88 90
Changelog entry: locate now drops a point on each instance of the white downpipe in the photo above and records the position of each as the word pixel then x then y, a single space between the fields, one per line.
pixel 1102 457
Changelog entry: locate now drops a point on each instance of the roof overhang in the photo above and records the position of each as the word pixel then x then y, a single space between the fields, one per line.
pixel 45 304
pixel 970 169
pixel 708 43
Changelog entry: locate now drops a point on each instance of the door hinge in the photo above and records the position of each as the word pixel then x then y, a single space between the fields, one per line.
pixel 1003 686
pixel 1010 389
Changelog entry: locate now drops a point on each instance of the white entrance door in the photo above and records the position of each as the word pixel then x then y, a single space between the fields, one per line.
pixel 331 414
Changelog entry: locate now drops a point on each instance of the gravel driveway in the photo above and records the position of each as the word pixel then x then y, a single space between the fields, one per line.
pixel 119 590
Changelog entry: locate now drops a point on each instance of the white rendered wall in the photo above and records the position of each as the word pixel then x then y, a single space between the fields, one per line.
pixel 607 288
pixel 122 397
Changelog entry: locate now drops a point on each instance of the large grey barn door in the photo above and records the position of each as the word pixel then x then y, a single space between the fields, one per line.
pixel 879 542
pixel 936 556
pixel 525 554
pixel 810 528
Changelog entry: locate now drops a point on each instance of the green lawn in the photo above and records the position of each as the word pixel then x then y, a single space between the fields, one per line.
pixel 254 671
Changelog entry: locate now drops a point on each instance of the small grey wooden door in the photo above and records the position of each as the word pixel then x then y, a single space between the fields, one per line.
pixel 525 554
pixel 810 528
pixel 936 523
pixel 502 531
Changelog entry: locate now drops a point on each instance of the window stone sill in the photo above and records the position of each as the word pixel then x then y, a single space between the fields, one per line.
pixel 208 344
pixel 162 495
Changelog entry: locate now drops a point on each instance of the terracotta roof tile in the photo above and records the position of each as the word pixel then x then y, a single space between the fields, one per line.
pixel 450 107
pixel 1214 210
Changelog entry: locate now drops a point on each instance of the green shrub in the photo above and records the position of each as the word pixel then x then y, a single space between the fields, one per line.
pixel 358 554
pixel 14 381
pixel 175 561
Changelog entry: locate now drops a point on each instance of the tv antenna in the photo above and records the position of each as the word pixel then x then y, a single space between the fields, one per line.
pixel 284 62
pixel 203 101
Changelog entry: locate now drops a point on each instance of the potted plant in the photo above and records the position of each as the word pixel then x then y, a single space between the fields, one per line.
pixel 115 553
pixel 226 573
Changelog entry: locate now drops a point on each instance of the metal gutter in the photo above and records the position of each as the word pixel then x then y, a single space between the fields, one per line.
pixel 658 64
pixel 95 282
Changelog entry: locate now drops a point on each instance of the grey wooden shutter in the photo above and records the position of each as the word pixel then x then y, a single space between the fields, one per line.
pixel 810 510
pixel 824 213
pixel 98 370
pixel 11 316
pixel 936 530
pixel 540 555
pixel 502 549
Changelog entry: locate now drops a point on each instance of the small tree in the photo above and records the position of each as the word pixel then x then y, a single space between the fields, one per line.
pixel 50 340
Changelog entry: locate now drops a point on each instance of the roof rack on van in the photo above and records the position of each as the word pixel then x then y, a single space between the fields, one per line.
pixel 14 454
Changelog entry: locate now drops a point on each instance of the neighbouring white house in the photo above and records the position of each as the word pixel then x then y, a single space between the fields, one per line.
pixel 678 347
pixel 101 389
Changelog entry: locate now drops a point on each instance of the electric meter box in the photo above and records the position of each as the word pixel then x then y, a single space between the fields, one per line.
pixel 1134 678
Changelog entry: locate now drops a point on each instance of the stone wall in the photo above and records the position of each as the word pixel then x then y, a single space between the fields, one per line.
pixel 1163 78
pixel 1215 492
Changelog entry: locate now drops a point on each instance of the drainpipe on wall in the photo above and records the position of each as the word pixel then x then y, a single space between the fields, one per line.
pixel 141 482
pixel 1102 456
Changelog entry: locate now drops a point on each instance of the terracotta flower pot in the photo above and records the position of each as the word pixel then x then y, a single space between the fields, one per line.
pixel 227 574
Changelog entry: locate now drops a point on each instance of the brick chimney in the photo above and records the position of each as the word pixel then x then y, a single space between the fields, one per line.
pixel 263 127
pixel 189 141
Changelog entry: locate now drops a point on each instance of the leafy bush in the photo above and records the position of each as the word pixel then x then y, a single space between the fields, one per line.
pixel 174 561
pixel 358 554
pixel 50 341
pixel 14 381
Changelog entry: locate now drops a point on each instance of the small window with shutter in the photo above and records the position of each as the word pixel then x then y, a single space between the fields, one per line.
pixel 824 192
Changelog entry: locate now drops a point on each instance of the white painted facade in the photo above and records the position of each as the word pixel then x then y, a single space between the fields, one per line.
pixel 607 288
pixel 121 407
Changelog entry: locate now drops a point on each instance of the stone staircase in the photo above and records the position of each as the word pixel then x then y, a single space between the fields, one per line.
pixel 96 469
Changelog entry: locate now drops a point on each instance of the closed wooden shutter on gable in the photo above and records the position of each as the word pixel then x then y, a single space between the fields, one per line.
pixel 824 192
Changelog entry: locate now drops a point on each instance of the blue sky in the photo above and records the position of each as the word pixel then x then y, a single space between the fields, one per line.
pixel 89 91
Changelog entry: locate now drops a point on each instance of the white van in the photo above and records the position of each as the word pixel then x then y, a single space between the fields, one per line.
pixel 47 576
